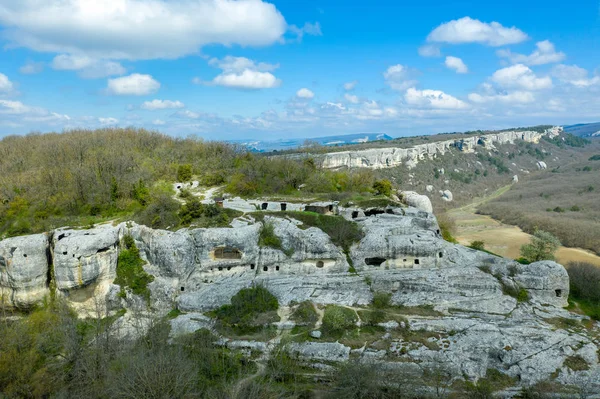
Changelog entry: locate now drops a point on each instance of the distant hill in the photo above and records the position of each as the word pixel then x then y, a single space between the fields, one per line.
pixel 584 129
pixel 290 144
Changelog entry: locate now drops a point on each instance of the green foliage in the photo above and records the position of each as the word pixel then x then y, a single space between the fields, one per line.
pixel 305 313
pixel 595 157
pixel 584 287
pixel 497 162
pixel 140 192
pixel 184 172
pixel 478 245
pixel 567 139
pixel 268 238
pixel 383 187
pixel 447 227
pixel 130 271
pixel 246 305
pixel 543 245
pixel 337 319
pixel 381 300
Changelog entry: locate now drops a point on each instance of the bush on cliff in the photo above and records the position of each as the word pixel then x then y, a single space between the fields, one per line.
pixel 130 271
pixel 338 319
pixel 246 305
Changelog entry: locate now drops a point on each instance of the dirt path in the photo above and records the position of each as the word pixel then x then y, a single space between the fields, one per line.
pixel 504 239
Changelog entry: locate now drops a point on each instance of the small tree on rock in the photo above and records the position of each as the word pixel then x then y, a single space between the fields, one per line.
pixel 543 245
pixel 383 187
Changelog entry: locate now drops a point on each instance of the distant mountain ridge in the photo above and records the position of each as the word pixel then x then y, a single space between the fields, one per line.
pixel 289 144
pixel 584 129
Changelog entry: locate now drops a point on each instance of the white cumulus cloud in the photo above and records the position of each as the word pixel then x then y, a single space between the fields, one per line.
pixel 399 77
pixel 108 121
pixel 574 75
pixel 430 50
pixel 307 29
pixel 305 93
pixel 468 30
pixel 545 53
pixel 456 64
pixel 350 85
pixel 5 84
pixel 87 67
pixel 351 98
pixel 134 85
pixel 158 122
pixel 31 68
pixel 138 29
pixel 521 77
pixel 161 104
pixel 433 99
pixel 520 97
pixel 243 73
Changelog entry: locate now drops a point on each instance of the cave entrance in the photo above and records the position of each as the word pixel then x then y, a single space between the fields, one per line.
pixel 320 264
pixel 283 206
pixel 264 206
pixel 374 211
pixel 558 293
pixel 228 253
pixel 354 214
pixel 374 261
pixel 417 261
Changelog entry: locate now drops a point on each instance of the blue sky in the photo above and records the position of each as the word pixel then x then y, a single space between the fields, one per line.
pixel 236 69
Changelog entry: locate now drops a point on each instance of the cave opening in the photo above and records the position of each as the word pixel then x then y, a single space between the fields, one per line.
pixel 374 261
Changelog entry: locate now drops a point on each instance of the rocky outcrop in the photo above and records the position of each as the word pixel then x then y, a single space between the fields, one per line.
pixel 24 270
pixel 481 311
pixel 416 200
pixel 379 158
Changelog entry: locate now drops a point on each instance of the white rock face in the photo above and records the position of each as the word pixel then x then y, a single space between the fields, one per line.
pixel 447 195
pixel 24 270
pixel 542 165
pixel 416 200
pixel 515 179
pixel 379 158
pixel 429 188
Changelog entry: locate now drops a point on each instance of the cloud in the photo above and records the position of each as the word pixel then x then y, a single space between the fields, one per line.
pixel 15 112
pixel 433 99
pixel 242 73
pixel 456 64
pixel 87 67
pixel 186 114
pixel 351 98
pixel 161 104
pixel 468 30
pixel 544 54
pixel 134 85
pixel 31 68
pixel 158 122
pixel 574 75
pixel 398 77
pixel 108 121
pixel 430 50
pixel 5 84
pixel 307 29
pixel 138 29
pixel 305 93
pixel 350 85
pixel 520 97
pixel 521 77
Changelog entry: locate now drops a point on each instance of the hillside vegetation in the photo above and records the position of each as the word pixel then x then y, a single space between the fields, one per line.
pixel 563 201
pixel 79 178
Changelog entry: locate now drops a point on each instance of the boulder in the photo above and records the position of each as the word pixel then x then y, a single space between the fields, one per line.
pixel 515 179
pixel 447 195
pixel 542 165
pixel 24 270
pixel 416 200
pixel 83 257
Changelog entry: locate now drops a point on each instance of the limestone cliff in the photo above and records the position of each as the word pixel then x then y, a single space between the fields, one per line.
pixel 379 158
pixel 491 312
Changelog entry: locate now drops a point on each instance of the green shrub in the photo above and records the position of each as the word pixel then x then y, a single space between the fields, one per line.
pixel 268 238
pixel 130 271
pixel 584 280
pixel 246 305
pixel 337 319
pixel 184 173
pixel 595 157
pixel 478 245
pixel 542 247
pixel 381 300
pixel 383 187
pixel 305 313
